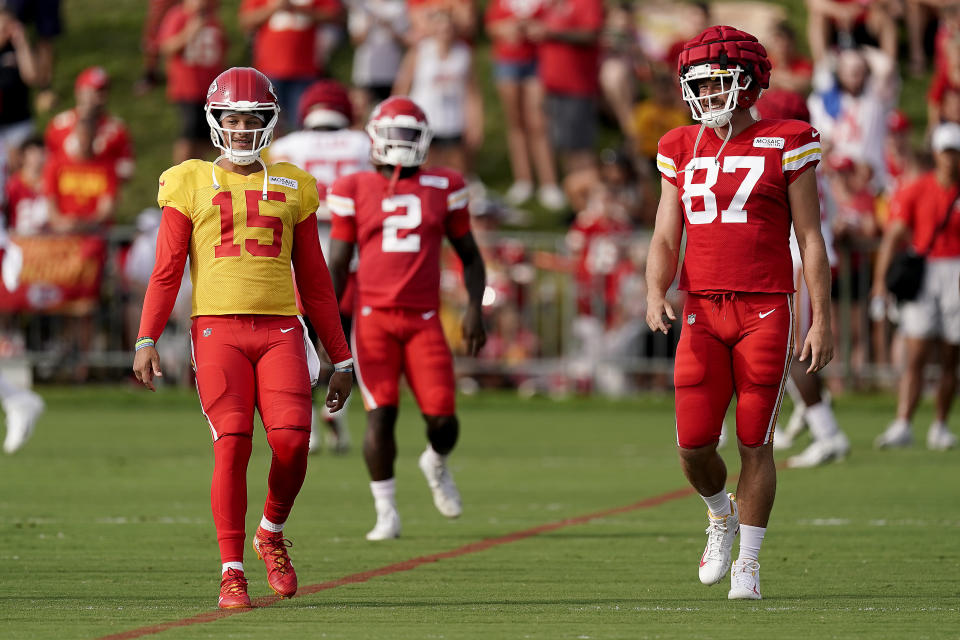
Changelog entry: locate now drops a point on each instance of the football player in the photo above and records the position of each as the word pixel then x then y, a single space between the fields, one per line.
pixel 397 217
pixel 327 148
pixel 735 184
pixel 243 222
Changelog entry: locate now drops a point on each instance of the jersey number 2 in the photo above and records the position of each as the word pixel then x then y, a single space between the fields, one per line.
pixel 731 164
pixel 228 247
pixel 392 242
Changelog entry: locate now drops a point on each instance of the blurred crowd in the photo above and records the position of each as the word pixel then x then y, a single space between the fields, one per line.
pixel 585 87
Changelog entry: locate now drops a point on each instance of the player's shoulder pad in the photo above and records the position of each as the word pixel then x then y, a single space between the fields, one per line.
pixel 440 178
pixel 187 174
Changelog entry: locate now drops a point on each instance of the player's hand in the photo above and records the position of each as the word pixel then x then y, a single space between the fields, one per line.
pixel 341 382
pixel 657 308
pixel 818 347
pixel 474 335
pixel 146 365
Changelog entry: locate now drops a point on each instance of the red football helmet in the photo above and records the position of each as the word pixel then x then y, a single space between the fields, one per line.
pixel 325 105
pixel 734 58
pixel 399 132
pixel 242 90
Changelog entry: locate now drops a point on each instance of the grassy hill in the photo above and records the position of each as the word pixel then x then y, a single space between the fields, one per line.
pixel 107 32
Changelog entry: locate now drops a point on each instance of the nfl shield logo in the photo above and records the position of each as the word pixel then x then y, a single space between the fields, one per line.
pixel 207 332
pixel 691 318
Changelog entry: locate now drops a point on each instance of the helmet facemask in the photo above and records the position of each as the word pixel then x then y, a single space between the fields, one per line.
pixel 222 137
pixel 714 109
pixel 400 140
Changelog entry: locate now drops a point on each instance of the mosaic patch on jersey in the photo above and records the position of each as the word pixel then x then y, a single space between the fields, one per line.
pixel 768 143
pixel 283 182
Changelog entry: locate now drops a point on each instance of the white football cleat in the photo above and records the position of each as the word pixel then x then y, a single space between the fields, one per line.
pixel 721 532
pixel 898 434
pixel 745 581
pixel 551 197
pixel 388 525
pixel 445 495
pixel 820 452
pixel 22 412
pixel 939 438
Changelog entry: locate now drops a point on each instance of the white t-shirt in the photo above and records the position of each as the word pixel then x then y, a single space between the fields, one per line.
pixel 440 86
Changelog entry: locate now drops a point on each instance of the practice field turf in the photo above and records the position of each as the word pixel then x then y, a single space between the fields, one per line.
pixel 105 529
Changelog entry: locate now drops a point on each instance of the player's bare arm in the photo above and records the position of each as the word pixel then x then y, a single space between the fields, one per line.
pixel 805 211
pixel 663 258
pixel 475 279
pixel 339 262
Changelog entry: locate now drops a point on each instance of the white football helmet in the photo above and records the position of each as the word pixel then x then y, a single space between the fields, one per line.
pixel 399 133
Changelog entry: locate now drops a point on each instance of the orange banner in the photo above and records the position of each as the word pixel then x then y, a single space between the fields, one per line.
pixel 57 270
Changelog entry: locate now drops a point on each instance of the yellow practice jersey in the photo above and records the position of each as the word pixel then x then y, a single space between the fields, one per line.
pixel 240 247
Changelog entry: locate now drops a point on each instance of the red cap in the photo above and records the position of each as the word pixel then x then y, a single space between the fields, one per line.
pixel 898 122
pixel 92 78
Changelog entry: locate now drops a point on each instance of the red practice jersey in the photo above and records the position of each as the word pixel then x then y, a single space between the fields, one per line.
pixel 399 236
pixel 735 207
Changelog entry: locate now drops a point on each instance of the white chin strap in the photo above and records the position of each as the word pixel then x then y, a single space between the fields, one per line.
pixel 257 158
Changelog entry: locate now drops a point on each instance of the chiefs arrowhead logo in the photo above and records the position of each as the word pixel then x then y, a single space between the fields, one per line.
pixel 163 182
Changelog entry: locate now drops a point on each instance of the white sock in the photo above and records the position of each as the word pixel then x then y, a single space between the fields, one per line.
pixel 232 565
pixel 384 494
pixel 938 425
pixel 823 424
pixel 433 456
pixel 719 504
pixel 750 540
pixel 273 527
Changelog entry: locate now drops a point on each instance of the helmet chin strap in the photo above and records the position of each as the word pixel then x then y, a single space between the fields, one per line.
pixel 216 183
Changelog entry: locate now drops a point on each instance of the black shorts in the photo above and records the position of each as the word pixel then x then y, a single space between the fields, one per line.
pixel 572 121
pixel 44 14
pixel 193 121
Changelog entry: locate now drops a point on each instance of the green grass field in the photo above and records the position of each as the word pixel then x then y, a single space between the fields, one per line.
pixel 105 528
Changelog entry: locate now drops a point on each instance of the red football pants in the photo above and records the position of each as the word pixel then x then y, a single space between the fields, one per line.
pixel 244 362
pixel 732 343
pixel 388 342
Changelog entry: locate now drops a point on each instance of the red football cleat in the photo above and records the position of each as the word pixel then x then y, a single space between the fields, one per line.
pixel 233 591
pixel 272 549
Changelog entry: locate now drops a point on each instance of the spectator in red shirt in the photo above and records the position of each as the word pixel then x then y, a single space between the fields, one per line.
pixel 521 94
pixel 284 45
pixel 925 213
pixel 90 154
pixel 569 62
pixel 26 210
pixel 195 45
pixel 156 10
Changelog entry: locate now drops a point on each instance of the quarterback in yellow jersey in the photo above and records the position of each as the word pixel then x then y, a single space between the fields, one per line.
pixel 243 223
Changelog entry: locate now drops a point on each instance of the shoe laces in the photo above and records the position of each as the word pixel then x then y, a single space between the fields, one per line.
pixel 233 583
pixel 277 547
pixel 715 531
pixel 745 571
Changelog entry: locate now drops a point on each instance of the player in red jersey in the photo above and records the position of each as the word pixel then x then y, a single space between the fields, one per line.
pixel 735 184
pixel 397 217
pixel 243 223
